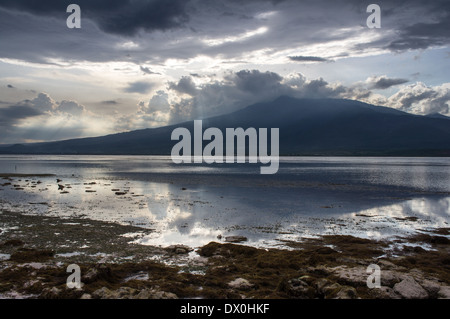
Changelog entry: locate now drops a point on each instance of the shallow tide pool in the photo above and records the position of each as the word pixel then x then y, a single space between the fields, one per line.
pixel 196 204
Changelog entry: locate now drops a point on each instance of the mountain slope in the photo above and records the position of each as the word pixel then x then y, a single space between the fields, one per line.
pixel 307 127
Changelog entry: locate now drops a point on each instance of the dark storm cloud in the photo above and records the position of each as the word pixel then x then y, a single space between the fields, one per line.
pixel 139 87
pixel 43 39
pixel 382 82
pixel 255 81
pixel 246 87
pixel 109 102
pixel 422 35
pixel 237 90
pixel 185 85
pixel 35 30
pixel 13 114
pixel 320 89
pixel 147 70
pixel 123 17
pixel 413 25
pixel 300 58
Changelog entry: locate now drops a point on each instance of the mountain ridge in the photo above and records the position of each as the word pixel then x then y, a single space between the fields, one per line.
pixel 307 127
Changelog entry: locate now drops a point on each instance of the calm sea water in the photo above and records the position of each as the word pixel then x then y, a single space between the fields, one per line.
pixel 193 204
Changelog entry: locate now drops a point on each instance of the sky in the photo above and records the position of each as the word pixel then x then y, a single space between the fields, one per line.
pixel 138 64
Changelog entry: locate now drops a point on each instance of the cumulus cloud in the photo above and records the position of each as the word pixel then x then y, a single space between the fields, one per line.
pixel 419 98
pixel 159 102
pixel 245 87
pixel 71 107
pixel 44 119
pixel 43 102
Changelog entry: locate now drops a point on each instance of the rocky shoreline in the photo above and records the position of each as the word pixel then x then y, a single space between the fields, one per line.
pixel 36 250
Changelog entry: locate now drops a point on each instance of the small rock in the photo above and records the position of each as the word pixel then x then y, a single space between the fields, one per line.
pixel 24 255
pixel 390 278
pixel 121 293
pixel 385 264
pixel 30 283
pixel 90 275
pixel 346 292
pixel 385 293
pixel 99 272
pixel 444 292
pixel 299 288
pixel 50 293
pixel 155 294
pixel 102 293
pixel 55 290
pixel 235 239
pixel 240 283
pixel 321 284
pixel 86 296
pixel 306 278
pixel 410 289
pixel 431 287
pixel 165 295
pixel 354 276
pixel 12 243
pixel 124 293
pixel 130 293
pixel 330 289
pixel 178 249
pixel 145 294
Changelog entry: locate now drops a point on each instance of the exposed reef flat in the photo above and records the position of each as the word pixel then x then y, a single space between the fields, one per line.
pixel 36 250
